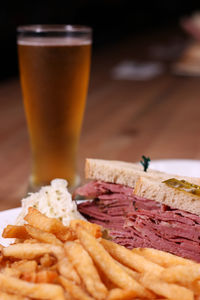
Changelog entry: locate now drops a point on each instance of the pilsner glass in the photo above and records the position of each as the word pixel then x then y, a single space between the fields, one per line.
pixel 54 62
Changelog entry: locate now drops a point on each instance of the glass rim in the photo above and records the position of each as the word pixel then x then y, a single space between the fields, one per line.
pixel 45 28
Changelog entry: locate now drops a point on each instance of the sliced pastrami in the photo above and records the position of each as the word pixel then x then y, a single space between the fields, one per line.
pixel 94 189
pixel 137 222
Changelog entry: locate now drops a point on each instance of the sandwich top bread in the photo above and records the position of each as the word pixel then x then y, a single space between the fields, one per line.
pixel 125 173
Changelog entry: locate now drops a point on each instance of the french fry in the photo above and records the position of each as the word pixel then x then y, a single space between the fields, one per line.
pixel 162 258
pixel 74 290
pixel 131 259
pixel 22 269
pixel 107 264
pixel 86 270
pixel 29 276
pixel 106 281
pixel 32 290
pixel 25 265
pixel 14 231
pixel 195 287
pixel 52 225
pixel 68 296
pixel 29 241
pixel 119 294
pixel 31 251
pixel 55 262
pixel 6 296
pixel 181 274
pixel 43 276
pixel 67 270
pixel 92 228
pixel 42 236
pixel 168 290
pixel 46 276
pixel 129 271
pixel 47 260
pixel 11 272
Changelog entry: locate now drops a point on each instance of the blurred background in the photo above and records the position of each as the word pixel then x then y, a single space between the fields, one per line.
pixel 111 20
pixel 144 91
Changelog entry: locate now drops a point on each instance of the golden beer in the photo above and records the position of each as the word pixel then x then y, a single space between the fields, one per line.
pixel 54 75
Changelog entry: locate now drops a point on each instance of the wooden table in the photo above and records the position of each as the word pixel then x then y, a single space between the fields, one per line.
pixel 123 120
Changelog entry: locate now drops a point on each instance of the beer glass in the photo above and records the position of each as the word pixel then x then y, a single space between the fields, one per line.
pixel 54 63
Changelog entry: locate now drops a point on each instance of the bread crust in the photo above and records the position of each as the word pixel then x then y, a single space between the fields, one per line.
pixel 125 173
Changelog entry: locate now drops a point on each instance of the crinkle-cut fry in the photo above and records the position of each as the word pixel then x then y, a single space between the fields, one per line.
pixel 131 259
pixel 6 296
pixel 74 290
pixel 29 276
pixel 67 270
pixel 46 276
pixel 68 296
pixel 119 294
pixel 42 236
pixel 31 251
pixel 168 290
pixel 52 225
pixel 84 265
pixel 106 281
pixel 181 274
pixel 195 286
pixel 11 272
pixel 92 228
pixel 162 258
pixel 15 231
pixel 129 271
pixel 43 276
pixel 25 265
pixel 108 265
pixel 32 290
pixel 29 241
pixel 47 260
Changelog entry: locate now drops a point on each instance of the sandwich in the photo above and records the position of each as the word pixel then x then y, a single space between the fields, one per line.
pixel 143 209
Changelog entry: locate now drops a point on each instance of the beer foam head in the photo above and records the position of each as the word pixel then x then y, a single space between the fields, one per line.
pixel 53 41
pixel 53 35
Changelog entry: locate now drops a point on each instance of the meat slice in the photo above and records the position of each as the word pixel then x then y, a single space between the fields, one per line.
pixel 94 189
pixel 136 222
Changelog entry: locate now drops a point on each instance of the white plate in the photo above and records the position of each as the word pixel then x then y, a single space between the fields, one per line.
pixel 7 217
pixel 188 167
pixel 182 167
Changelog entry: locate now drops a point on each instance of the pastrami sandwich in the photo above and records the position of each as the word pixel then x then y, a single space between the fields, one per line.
pixel 143 209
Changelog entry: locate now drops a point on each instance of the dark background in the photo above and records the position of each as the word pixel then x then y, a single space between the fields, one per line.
pixel 111 20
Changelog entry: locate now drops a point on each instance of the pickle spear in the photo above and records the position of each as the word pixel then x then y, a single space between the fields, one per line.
pixel 183 185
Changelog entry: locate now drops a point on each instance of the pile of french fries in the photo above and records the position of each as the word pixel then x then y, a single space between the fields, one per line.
pixel 51 261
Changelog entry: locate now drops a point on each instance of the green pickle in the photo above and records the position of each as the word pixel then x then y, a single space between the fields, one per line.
pixel 183 185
